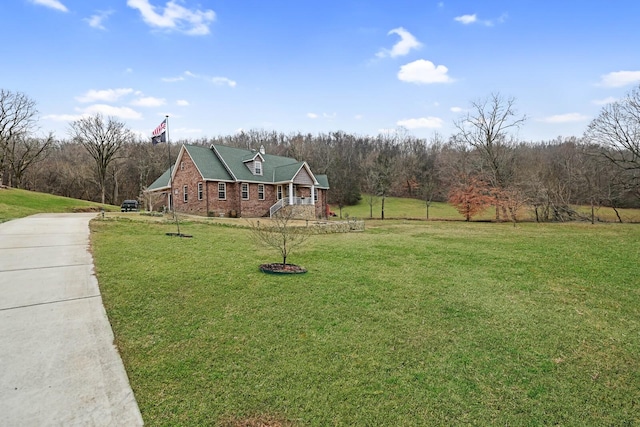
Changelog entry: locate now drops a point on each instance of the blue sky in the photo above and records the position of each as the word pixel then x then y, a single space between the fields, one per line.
pixel 220 66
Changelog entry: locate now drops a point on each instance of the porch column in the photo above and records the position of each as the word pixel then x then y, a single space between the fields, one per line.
pixel 291 193
pixel 313 194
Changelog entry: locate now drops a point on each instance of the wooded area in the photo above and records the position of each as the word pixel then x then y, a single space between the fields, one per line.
pixel 102 161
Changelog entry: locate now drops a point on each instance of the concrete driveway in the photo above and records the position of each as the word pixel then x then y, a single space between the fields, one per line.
pixel 58 364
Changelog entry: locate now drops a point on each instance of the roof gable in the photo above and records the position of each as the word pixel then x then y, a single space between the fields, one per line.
pixel 235 159
pixel 224 163
pixel 211 167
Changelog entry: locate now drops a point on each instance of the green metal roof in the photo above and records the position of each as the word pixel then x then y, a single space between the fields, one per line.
pixel 235 159
pixel 323 181
pixel 229 164
pixel 208 163
pixel 161 183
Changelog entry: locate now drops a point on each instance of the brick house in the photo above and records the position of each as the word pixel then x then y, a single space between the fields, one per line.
pixel 228 181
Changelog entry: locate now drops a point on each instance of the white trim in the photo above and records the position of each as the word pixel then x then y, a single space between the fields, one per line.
pixel 291 193
pixel 242 190
pixel 306 166
pixel 225 191
pixel 213 147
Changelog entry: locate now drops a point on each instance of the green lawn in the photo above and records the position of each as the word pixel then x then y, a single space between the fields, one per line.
pixel 405 324
pixel 396 207
pixel 16 203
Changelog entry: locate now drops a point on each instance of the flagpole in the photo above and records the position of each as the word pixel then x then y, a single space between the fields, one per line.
pixel 171 197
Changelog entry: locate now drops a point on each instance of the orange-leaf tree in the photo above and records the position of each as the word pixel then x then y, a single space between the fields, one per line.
pixel 471 197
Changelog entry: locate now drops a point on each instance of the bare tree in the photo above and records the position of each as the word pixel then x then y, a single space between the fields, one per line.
pixel 18 120
pixel 102 139
pixel 370 181
pixel 617 128
pixel 487 128
pixel 24 152
pixel 280 232
pixel 344 172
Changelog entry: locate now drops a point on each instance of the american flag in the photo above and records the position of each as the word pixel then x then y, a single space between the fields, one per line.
pixel 160 129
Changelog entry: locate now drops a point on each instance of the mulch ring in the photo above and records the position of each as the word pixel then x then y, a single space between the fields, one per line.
pixel 279 268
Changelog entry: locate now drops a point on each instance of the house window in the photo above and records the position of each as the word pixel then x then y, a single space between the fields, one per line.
pixel 222 191
pixel 279 192
pixel 257 167
pixel 260 191
pixel 315 194
pixel 184 193
pixel 199 191
pixel 181 166
pixel 245 191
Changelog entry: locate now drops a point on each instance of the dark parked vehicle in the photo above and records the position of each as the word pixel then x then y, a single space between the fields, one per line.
pixel 129 206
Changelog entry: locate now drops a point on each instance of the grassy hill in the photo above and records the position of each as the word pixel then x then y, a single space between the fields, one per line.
pixel 16 203
pixel 396 207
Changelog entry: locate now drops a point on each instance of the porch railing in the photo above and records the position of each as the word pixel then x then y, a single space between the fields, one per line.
pixel 297 201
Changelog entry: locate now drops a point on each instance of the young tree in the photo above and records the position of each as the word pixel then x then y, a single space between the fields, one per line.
pixel 102 139
pixel 471 197
pixel 280 232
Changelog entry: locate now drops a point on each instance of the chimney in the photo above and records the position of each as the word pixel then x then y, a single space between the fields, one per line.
pixel 262 149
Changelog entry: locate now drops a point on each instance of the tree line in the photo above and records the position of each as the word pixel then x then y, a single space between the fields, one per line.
pixel 482 164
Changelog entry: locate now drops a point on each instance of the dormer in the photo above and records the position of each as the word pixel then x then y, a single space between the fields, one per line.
pixel 255 163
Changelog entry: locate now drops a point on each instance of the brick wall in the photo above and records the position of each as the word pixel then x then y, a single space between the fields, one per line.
pixel 187 175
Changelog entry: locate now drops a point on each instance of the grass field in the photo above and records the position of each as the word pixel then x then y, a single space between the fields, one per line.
pixel 396 207
pixel 16 203
pixel 405 324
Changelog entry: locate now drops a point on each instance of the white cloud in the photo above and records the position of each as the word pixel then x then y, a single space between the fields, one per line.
pixel 312 115
pixel 605 101
pixel 96 20
pixel 620 78
pixel 473 19
pixel 53 4
pixel 182 103
pixel 424 72
pixel 422 122
pixel 223 81
pixel 403 47
pixel 174 17
pixel 111 111
pixel 149 101
pixel 220 81
pixel 466 19
pixel 106 95
pixel 565 118
pixel 172 79
pixel 456 109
